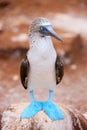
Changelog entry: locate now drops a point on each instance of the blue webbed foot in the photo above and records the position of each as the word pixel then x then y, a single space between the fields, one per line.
pixel 31 110
pixel 53 112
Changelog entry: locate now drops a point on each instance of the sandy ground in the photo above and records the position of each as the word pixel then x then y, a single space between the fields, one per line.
pixel 15 18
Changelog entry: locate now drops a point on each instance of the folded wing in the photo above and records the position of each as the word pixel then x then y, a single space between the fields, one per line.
pixel 59 69
pixel 24 72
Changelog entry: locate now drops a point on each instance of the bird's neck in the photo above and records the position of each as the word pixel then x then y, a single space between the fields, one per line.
pixel 41 42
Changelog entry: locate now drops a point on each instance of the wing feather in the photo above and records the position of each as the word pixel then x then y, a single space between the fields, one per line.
pixel 59 69
pixel 24 72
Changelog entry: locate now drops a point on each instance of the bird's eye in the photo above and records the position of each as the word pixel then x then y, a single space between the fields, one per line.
pixel 42 28
pixel 44 31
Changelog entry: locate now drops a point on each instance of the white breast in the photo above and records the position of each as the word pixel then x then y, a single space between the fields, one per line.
pixel 42 65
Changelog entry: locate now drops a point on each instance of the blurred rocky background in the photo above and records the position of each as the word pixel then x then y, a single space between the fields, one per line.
pixel 69 19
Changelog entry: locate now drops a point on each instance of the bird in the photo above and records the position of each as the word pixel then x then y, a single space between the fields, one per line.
pixel 41 66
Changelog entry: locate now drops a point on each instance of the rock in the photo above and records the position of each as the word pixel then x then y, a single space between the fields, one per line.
pixel 10 120
pixel 77 49
pixel 85 115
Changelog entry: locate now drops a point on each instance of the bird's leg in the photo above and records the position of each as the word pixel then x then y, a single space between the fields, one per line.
pixel 50 95
pixel 53 111
pixel 32 95
pixel 33 108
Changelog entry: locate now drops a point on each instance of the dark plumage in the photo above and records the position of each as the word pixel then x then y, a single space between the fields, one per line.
pixel 24 71
pixel 59 69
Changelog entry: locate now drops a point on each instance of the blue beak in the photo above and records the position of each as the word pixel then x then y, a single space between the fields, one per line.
pixel 47 30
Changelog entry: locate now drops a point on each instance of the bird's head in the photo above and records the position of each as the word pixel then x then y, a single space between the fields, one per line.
pixel 43 28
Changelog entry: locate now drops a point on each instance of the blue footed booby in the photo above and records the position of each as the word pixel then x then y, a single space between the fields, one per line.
pixel 41 66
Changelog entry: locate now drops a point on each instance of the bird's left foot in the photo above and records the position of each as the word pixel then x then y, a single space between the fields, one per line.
pixel 53 112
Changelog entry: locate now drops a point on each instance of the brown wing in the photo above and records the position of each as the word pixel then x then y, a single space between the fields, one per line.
pixel 59 69
pixel 24 70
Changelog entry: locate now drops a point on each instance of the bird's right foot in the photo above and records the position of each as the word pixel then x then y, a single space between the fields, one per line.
pixel 31 110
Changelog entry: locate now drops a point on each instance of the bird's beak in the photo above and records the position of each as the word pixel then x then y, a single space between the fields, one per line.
pixel 52 33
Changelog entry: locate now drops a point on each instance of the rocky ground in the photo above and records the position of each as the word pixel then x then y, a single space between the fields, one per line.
pixel 70 21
